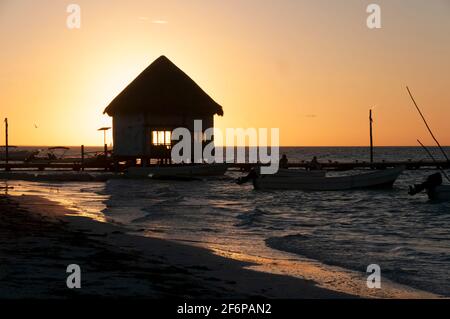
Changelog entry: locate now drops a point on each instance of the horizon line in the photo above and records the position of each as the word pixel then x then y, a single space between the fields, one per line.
pixel 311 146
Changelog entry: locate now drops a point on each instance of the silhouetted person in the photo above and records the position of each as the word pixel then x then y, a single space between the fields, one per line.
pixel 284 163
pixel 431 182
pixel 314 165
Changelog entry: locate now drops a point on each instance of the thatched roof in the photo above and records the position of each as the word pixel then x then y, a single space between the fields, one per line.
pixel 162 88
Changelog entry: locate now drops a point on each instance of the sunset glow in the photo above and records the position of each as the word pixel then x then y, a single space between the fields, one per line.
pixel 311 68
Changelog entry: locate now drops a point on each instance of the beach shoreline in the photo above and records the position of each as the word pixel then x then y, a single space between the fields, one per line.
pixel 40 238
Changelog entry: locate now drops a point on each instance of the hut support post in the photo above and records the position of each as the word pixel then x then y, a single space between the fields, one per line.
pixel 371 137
pixel 82 157
pixel 6 145
pixel 105 146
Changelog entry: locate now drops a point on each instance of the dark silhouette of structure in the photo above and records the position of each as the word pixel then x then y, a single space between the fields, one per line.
pixel 146 112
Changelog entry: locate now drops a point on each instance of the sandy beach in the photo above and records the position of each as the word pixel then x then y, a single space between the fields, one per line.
pixel 37 245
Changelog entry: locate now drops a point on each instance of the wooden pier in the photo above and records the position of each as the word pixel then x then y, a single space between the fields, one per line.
pixel 110 165
pixel 23 166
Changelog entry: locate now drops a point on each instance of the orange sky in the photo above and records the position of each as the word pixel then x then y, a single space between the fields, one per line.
pixel 311 68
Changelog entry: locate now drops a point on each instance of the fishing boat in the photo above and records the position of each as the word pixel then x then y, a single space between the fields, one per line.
pixel 56 154
pixel 15 154
pixel 291 172
pixel 375 179
pixel 433 184
pixel 284 172
pixel 178 172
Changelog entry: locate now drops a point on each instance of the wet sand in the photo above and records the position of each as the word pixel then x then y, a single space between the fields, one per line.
pixel 38 240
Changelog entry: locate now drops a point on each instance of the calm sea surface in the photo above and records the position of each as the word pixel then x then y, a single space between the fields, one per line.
pixel 408 237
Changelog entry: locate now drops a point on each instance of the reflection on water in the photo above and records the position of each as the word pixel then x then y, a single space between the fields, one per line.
pixel 289 232
pixel 82 198
pixel 334 278
pixel 284 232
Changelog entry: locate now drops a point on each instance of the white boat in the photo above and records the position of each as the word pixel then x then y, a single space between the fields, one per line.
pixel 284 172
pixel 50 155
pixel 375 179
pixel 14 154
pixel 182 171
pixel 57 154
pixel 439 193
pixel 281 173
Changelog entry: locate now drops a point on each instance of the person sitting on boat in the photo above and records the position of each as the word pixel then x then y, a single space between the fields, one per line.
pixel 431 182
pixel 284 163
pixel 314 165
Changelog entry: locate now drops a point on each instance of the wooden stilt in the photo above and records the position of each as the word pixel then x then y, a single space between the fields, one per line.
pixel 82 157
pixel 6 145
pixel 105 149
pixel 371 136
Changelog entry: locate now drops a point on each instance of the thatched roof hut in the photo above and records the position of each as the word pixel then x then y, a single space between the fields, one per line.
pixel 162 88
pixel 161 99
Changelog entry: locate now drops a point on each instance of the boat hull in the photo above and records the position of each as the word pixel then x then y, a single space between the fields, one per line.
pixel 439 193
pixel 282 172
pixel 184 171
pixel 377 179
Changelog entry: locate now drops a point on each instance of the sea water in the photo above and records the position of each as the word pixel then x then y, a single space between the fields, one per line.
pixel 330 237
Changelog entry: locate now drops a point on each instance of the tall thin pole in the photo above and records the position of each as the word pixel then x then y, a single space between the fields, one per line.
pixel 371 136
pixel 434 160
pixel 426 124
pixel 106 156
pixel 82 157
pixel 6 144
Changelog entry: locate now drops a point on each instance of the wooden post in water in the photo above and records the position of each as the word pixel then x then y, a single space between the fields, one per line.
pixel 371 136
pixel 106 156
pixel 82 157
pixel 104 129
pixel 6 145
